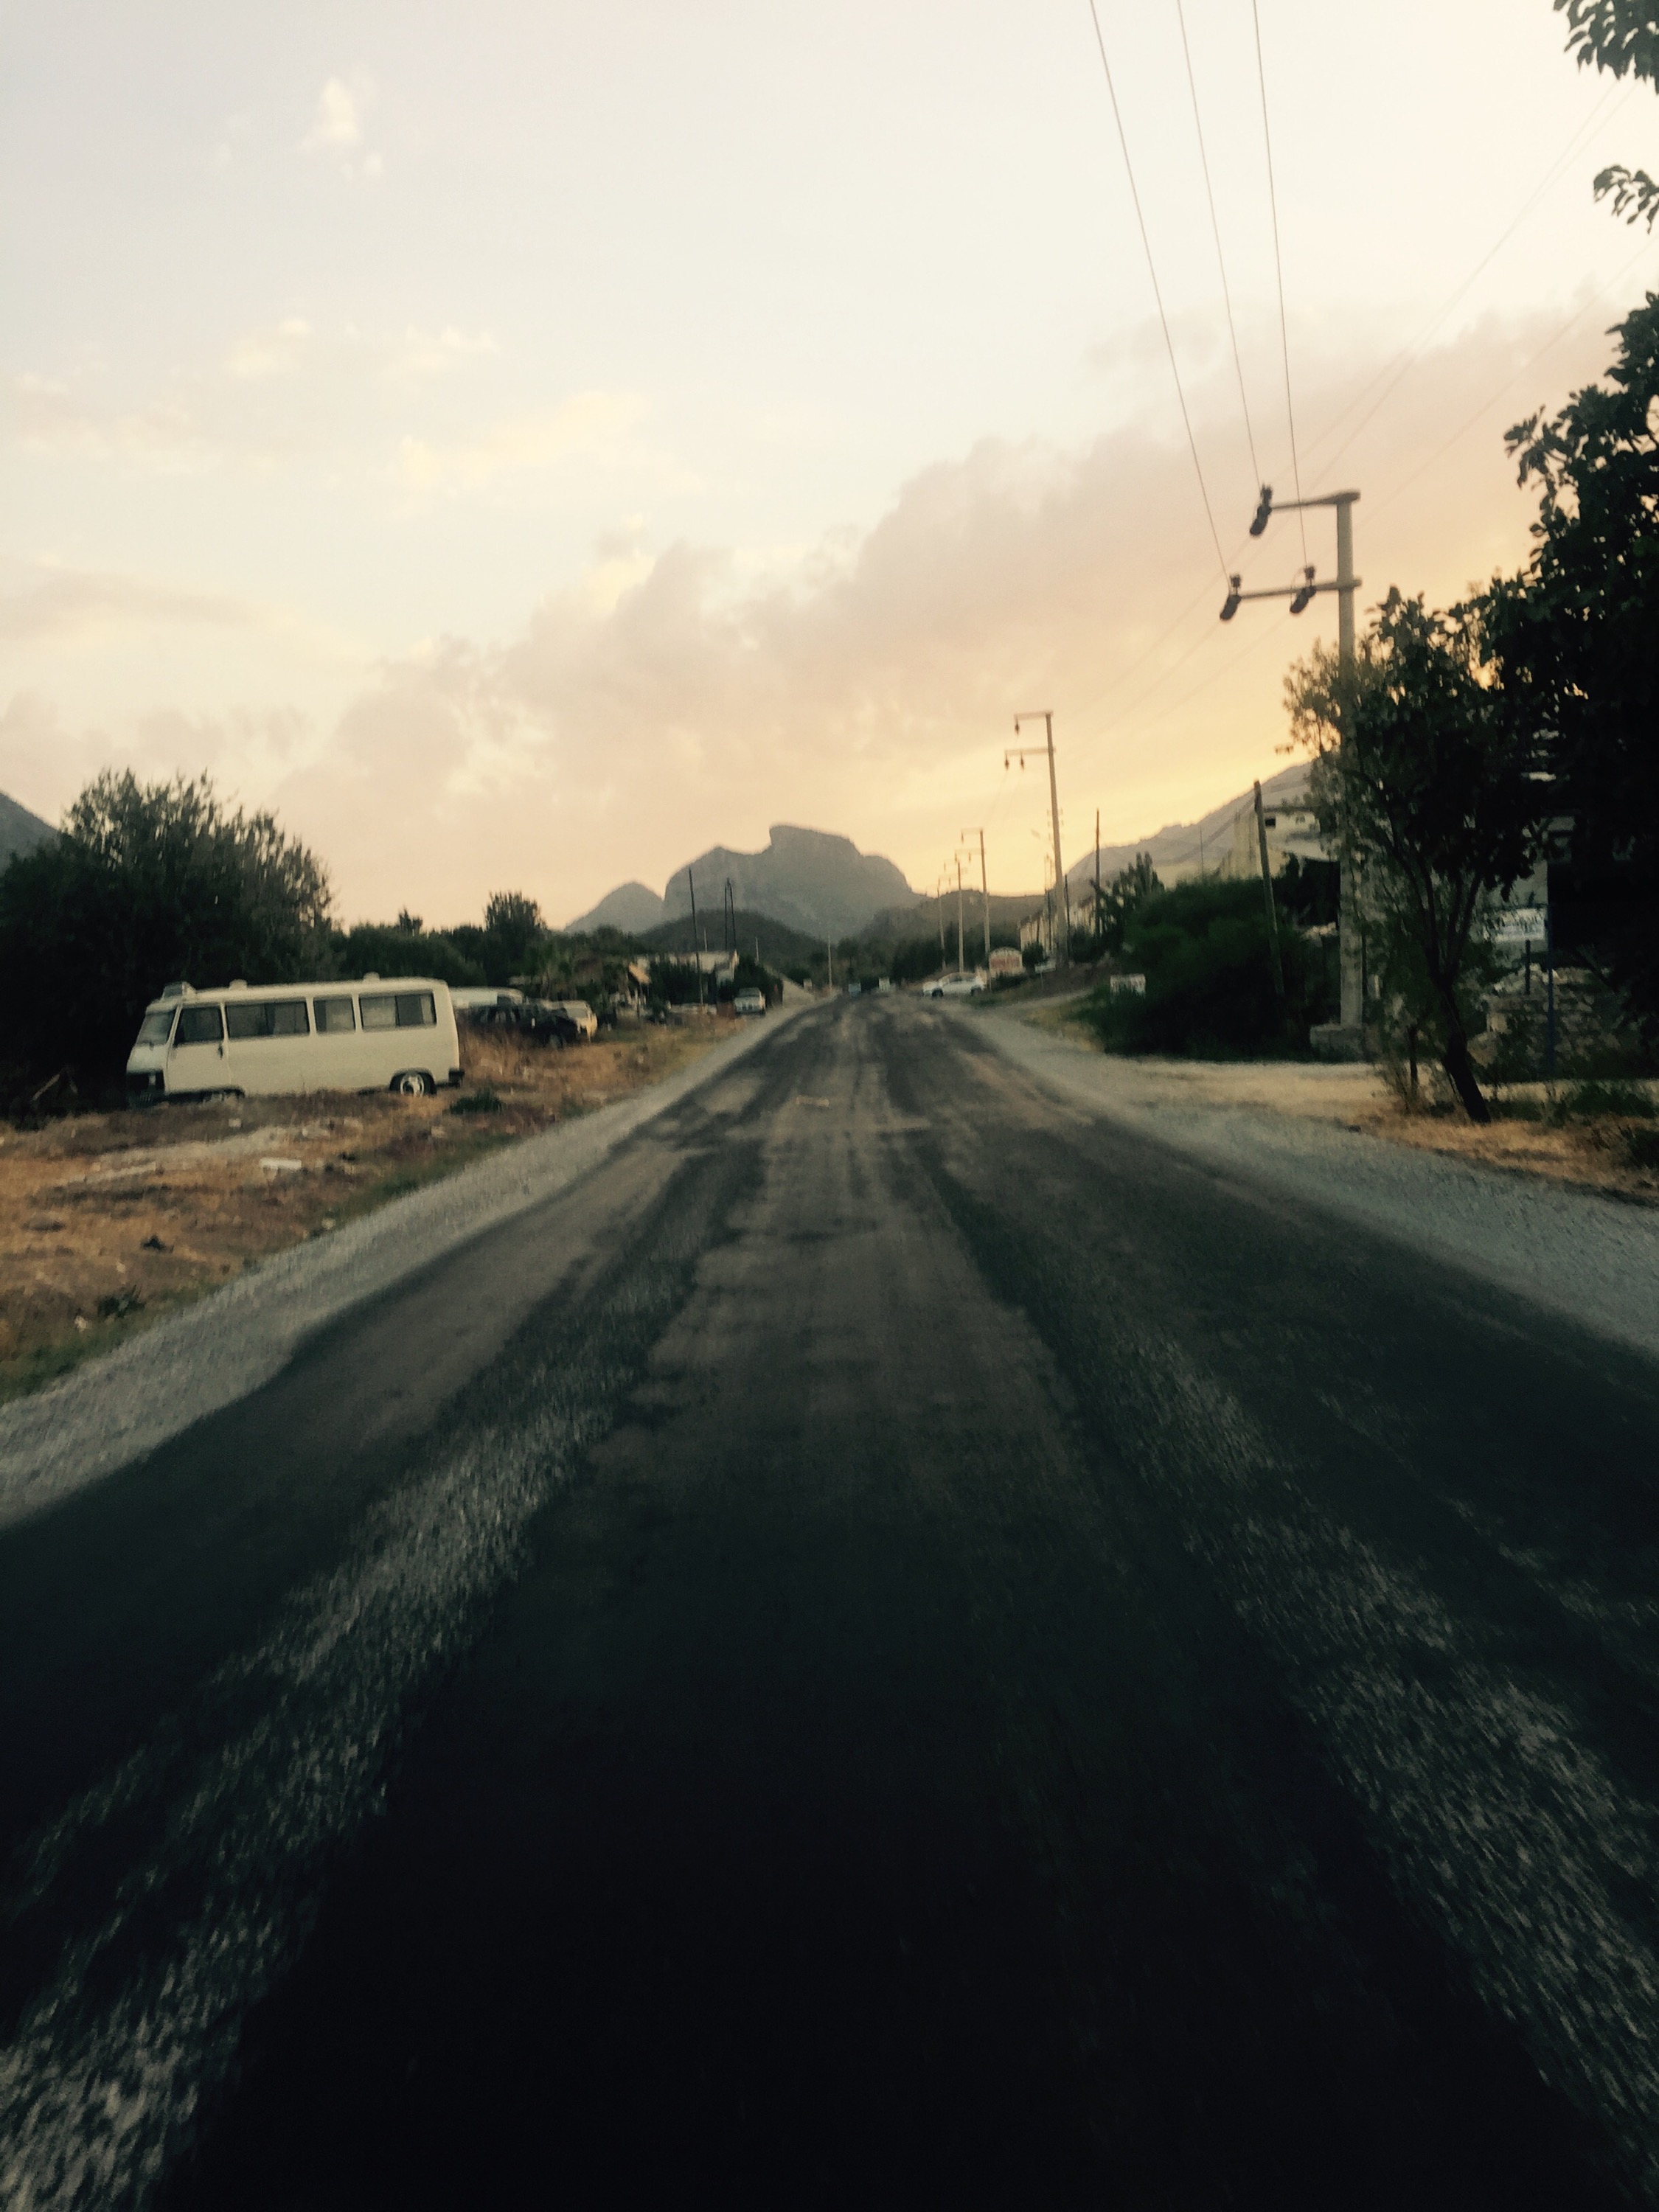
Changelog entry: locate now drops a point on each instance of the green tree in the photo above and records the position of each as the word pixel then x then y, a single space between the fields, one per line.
pixel 1621 37
pixel 1202 948
pixel 513 934
pixel 147 883
pixel 1420 771
pixel 1576 641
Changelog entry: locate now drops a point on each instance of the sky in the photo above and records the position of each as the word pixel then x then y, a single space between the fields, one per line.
pixel 526 444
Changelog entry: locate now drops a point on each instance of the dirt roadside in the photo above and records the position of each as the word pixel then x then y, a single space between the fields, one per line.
pixel 1528 1136
pixel 107 1220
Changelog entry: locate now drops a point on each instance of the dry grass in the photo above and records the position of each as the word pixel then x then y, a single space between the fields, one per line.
pixel 1606 1152
pixel 107 1219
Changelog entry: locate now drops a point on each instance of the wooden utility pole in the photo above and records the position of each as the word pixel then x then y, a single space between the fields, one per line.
pixel 985 894
pixel 1063 935
pixel 1268 893
pixel 1349 935
pixel 959 968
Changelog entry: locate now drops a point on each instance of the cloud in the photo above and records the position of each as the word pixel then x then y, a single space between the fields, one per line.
pixel 40 602
pixel 679 694
pixel 674 697
pixel 284 390
pixel 590 423
pixel 338 124
pixel 338 129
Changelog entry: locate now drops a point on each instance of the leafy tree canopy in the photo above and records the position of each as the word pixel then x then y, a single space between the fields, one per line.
pixel 1622 37
pixel 513 930
pixel 1575 637
pixel 1420 772
pixel 147 883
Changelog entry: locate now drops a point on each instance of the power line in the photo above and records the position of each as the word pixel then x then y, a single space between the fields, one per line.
pixel 1406 359
pixel 1278 265
pixel 1215 228
pixel 1152 270
pixel 1577 316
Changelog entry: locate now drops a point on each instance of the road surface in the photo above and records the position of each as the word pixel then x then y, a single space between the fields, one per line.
pixel 897 1642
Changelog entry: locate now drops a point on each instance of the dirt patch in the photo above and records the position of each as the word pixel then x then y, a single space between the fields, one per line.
pixel 1531 1134
pixel 108 1219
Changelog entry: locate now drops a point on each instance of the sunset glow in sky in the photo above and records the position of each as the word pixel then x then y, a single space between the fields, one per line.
pixel 528 443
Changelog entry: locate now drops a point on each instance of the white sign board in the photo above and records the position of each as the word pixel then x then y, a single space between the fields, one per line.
pixel 1514 925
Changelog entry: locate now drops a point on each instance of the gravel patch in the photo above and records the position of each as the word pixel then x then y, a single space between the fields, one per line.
pixel 1593 1260
pixel 204 1357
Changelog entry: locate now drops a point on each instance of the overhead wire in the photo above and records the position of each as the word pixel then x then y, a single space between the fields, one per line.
pixel 1279 266
pixel 1157 295
pixel 1554 339
pixel 1407 359
pixel 1215 232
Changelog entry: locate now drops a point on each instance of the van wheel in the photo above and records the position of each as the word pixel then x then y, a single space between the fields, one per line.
pixel 412 1083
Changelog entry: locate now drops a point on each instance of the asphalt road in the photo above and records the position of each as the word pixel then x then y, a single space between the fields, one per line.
pixel 896 1644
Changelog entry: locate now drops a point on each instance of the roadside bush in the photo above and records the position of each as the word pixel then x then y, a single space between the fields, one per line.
pixel 481 1101
pixel 1628 1101
pixel 405 949
pixel 1203 950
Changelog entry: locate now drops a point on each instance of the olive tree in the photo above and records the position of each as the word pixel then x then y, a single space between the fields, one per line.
pixel 1420 773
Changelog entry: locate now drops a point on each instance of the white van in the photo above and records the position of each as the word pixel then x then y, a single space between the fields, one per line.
pixel 397 1034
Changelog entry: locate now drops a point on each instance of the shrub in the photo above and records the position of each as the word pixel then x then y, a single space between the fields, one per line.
pixel 1203 950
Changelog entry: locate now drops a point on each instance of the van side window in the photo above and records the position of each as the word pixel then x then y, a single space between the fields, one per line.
pixel 199 1025
pixel 399 1010
pixel 265 1017
pixel 333 1015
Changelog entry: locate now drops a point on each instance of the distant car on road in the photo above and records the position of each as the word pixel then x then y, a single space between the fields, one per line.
pixel 748 1002
pixel 953 987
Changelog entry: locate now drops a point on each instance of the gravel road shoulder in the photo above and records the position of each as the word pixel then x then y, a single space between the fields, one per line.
pixel 1593 1260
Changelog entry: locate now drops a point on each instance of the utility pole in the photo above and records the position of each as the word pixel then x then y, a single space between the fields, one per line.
pixel 1351 949
pixel 1096 877
pixel 959 968
pixel 1018 752
pixel 985 894
pixel 938 888
pixel 731 920
pixel 1268 893
pixel 695 954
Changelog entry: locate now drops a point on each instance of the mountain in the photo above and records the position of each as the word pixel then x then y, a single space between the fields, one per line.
pixel 809 880
pixel 1181 849
pixel 631 907
pixel 19 830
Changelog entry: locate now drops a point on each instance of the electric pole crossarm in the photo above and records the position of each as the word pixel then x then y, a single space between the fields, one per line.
pixel 1325 499
pixel 1300 591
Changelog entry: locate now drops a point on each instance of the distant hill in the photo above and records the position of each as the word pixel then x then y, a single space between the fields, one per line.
pixel 1181 849
pixel 780 945
pixel 19 830
pixel 808 879
pixel 631 907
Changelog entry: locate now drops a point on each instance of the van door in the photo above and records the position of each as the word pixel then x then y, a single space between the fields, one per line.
pixel 197 1061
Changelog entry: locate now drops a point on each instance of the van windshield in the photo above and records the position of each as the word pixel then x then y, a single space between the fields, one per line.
pixel 157 1027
